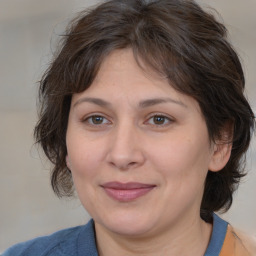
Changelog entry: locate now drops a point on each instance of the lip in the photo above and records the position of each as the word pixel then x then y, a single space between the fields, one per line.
pixel 125 192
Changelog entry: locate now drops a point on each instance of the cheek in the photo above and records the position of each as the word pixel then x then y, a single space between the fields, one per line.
pixel 84 157
pixel 85 163
pixel 182 160
pixel 183 168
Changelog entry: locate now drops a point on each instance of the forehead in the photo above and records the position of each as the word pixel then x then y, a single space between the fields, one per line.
pixel 121 79
pixel 123 61
pixel 120 70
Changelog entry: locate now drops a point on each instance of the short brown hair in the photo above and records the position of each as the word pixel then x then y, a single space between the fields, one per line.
pixel 178 40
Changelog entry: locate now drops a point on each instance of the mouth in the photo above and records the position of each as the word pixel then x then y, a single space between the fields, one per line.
pixel 125 192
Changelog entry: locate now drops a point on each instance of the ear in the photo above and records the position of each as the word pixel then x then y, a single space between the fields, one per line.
pixel 68 162
pixel 220 157
pixel 222 149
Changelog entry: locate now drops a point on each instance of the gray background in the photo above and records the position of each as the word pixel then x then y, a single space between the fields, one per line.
pixel 28 33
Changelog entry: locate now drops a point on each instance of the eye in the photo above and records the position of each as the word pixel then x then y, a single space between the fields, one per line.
pixel 96 120
pixel 159 120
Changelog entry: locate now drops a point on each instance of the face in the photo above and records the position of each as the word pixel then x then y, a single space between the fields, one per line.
pixel 138 150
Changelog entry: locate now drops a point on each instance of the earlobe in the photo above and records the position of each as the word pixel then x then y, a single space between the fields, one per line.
pixel 68 163
pixel 220 157
pixel 222 148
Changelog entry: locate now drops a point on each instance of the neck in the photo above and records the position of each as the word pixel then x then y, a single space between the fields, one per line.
pixel 191 240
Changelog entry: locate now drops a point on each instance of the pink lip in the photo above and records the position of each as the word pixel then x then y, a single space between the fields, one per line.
pixel 125 192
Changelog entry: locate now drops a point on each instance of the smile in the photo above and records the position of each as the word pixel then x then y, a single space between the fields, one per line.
pixel 125 192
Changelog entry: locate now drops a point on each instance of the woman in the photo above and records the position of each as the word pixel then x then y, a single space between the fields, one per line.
pixel 143 114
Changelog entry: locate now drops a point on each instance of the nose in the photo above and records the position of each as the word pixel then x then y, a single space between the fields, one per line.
pixel 125 148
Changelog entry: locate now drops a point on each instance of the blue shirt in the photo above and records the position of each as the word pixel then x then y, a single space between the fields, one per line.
pixel 80 241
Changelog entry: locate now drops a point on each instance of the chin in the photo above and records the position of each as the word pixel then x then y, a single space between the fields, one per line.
pixel 127 225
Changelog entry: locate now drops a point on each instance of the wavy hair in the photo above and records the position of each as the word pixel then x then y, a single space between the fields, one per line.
pixel 180 41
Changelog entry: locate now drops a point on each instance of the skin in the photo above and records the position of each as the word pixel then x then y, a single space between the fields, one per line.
pixel 134 139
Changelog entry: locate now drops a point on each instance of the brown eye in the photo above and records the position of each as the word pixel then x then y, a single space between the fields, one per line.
pixel 159 120
pixel 96 120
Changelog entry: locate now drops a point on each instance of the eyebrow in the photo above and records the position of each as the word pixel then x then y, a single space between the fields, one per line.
pixel 142 104
pixel 152 102
pixel 95 101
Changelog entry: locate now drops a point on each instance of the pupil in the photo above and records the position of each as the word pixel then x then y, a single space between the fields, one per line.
pixel 159 120
pixel 97 119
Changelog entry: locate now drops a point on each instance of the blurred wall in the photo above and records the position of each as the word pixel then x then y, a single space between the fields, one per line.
pixel 28 32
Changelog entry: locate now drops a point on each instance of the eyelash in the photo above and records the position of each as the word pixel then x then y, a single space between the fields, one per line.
pixel 167 120
pixel 86 120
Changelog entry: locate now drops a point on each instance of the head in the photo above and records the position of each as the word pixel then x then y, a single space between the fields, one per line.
pixel 179 42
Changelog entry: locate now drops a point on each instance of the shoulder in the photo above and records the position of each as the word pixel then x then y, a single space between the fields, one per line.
pixel 247 241
pixel 61 243
pixel 228 241
pixel 238 243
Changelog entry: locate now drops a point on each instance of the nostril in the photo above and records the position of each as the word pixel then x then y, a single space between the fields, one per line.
pixel 132 163
pixel 123 166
